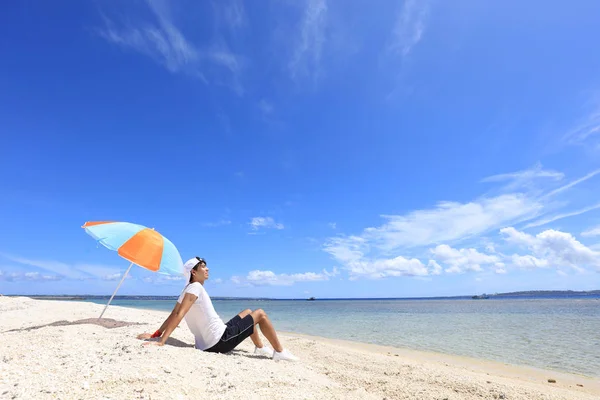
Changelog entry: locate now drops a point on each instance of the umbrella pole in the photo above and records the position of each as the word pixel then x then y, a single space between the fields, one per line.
pixel 113 295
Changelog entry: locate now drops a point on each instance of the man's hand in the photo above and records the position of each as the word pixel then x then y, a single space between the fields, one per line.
pixel 144 336
pixel 152 344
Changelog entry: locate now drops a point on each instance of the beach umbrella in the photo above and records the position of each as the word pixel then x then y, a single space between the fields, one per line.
pixel 137 244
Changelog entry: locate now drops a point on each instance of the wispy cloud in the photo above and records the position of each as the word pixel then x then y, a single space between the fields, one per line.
pixel 100 271
pixel 386 267
pixel 382 251
pixel 526 178
pixel 306 56
pixel 587 130
pixel 56 267
pixel 226 124
pixel 332 225
pixel 220 222
pixel 28 276
pixel 76 271
pixel 350 251
pixel 265 222
pixel 231 13
pixel 164 42
pixel 573 183
pixel 562 216
pixel 409 27
pixel 450 221
pixel 158 279
pixel 269 278
pixel 592 232
pixel 265 107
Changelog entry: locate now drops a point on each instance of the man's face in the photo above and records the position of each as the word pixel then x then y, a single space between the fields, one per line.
pixel 202 271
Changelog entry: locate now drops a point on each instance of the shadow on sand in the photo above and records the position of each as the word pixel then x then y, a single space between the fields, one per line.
pixel 104 322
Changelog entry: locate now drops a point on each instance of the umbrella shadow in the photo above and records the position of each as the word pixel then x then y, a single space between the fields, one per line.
pixel 104 322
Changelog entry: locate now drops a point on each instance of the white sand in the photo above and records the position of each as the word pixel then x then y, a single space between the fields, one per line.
pixel 89 361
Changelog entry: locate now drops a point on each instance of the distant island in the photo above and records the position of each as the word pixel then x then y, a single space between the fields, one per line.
pixel 550 292
pixel 527 293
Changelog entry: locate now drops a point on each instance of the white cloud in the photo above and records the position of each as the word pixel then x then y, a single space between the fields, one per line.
pixel 218 280
pixel 306 58
pixel 434 267
pixel 172 277
pixel 160 279
pixel 381 268
pixel 409 27
pixel 345 250
pixel 100 271
pixel 332 225
pixel 265 222
pixel 500 268
pixel 364 255
pixel 553 218
pixel 161 41
pixel 450 221
pixel 36 276
pixel 402 236
pixel 269 278
pixel 552 248
pixel 460 261
pixel 528 261
pixel 571 184
pixel 165 43
pixel 76 271
pixel 232 13
pixel 592 232
pixel 112 277
pixel 588 128
pixel 59 268
pixel 526 178
pixel 28 276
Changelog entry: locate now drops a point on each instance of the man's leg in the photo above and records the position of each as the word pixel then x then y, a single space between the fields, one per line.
pixel 266 327
pixel 255 337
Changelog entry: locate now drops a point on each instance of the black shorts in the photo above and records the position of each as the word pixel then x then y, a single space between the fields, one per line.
pixel 237 330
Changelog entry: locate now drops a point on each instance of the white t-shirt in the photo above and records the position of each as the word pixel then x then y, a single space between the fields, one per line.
pixel 202 319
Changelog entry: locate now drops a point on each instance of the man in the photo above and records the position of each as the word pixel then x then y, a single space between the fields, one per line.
pixel 210 332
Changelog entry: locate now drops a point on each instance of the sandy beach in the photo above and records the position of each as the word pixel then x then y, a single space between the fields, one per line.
pixel 58 350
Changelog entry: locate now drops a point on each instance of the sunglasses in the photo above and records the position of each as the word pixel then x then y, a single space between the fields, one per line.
pixel 200 260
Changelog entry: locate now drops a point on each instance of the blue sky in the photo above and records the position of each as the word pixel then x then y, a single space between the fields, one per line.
pixel 320 148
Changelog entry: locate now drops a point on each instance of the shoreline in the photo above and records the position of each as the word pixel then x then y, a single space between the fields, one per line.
pixel 78 358
pixel 433 354
pixel 515 371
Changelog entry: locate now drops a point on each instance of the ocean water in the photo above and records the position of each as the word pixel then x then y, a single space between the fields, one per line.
pixel 551 333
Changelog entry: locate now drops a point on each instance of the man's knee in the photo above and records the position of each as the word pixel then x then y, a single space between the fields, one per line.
pixel 258 315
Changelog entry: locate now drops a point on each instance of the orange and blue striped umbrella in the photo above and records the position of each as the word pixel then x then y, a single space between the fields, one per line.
pixel 138 244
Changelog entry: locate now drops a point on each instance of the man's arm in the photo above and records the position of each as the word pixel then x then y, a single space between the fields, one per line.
pixel 162 328
pixel 171 316
pixel 175 318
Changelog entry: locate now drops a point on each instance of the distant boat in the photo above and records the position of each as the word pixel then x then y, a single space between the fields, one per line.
pixel 482 296
pixel 311 299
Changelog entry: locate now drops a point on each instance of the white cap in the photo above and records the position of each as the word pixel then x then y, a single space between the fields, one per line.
pixel 187 267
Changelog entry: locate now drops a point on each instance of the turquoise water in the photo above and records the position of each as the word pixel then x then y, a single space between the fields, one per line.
pixel 551 333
